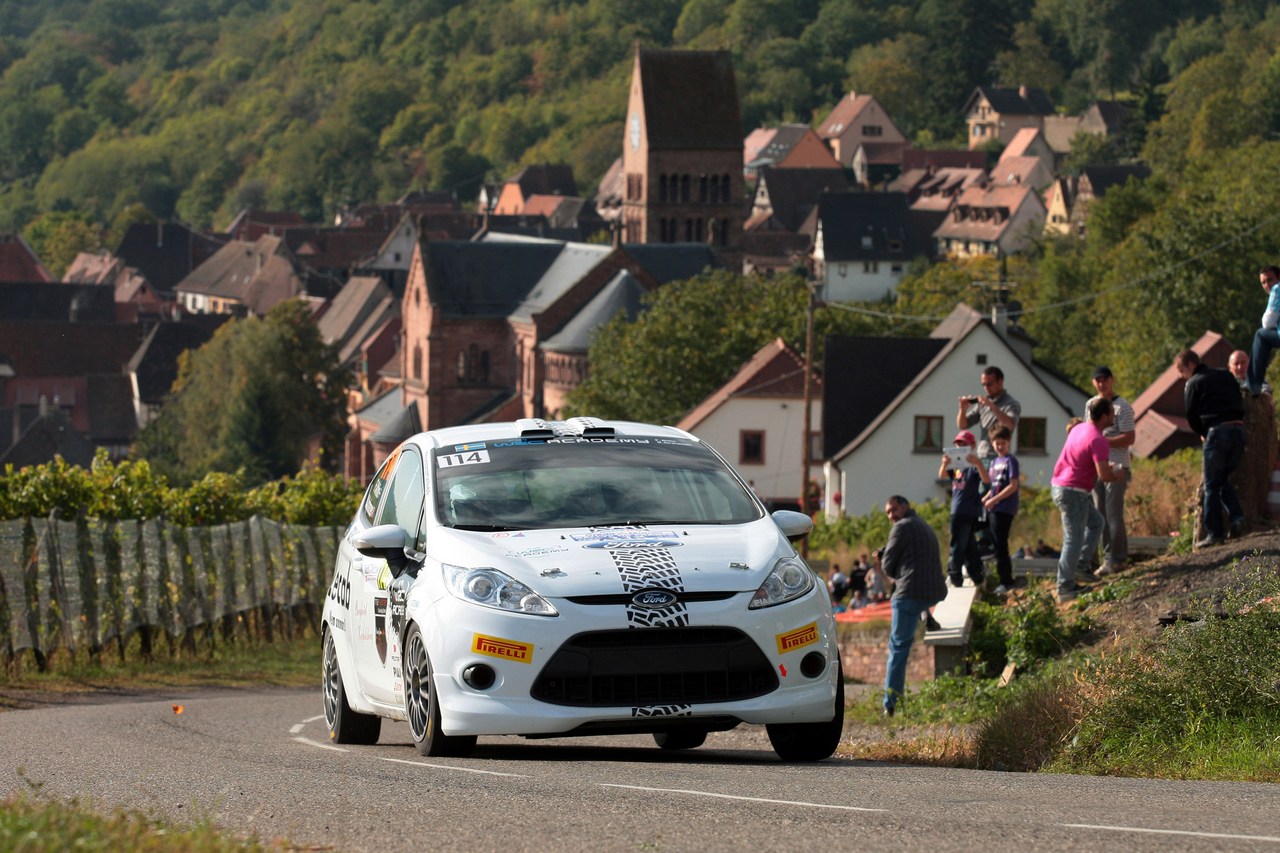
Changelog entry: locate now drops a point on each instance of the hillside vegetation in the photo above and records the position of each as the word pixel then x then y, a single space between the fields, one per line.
pixel 117 110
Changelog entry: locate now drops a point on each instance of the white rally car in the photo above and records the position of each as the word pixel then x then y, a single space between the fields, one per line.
pixel 582 577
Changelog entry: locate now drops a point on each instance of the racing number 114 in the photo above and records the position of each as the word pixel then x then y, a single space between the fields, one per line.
pixel 475 457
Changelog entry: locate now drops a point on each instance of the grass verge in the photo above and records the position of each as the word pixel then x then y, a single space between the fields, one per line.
pixel 29 824
pixel 286 663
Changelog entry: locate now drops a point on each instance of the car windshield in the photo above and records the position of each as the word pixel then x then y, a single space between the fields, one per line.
pixel 535 484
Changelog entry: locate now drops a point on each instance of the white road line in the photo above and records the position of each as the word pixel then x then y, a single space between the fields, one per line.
pixel 748 799
pixel 297 728
pixel 449 767
pixel 313 719
pixel 309 742
pixel 1271 838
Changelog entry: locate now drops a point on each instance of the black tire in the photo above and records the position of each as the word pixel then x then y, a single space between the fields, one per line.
pixel 345 725
pixel 680 739
pixel 422 707
pixel 809 741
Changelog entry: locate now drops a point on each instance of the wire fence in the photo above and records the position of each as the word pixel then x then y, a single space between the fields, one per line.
pixel 97 586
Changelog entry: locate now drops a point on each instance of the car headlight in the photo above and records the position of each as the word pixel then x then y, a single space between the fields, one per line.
pixel 492 588
pixel 789 580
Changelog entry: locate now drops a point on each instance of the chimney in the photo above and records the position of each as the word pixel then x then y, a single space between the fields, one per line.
pixel 1000 320
pixel 1022 92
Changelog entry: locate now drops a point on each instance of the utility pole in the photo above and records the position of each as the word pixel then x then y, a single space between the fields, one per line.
pixel 807 454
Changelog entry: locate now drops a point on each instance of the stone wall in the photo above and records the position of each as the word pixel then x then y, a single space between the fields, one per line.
pixel 864 653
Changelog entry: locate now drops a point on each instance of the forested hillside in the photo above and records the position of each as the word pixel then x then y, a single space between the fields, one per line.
pixel 113 110
pixel 195 107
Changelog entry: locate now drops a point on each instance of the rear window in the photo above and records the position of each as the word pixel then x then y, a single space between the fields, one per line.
pixel 572 482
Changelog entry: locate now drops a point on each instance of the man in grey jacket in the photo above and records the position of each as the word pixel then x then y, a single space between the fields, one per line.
pixel 911 559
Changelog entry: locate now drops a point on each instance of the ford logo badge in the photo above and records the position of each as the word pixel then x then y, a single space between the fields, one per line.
pixel 654 599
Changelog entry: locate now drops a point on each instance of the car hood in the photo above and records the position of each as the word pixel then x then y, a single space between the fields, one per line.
pixel 593 561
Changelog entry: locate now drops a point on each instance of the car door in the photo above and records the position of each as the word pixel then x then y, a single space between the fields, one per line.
pixel 378 645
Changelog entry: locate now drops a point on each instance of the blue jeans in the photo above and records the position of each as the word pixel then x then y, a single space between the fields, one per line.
pixel 1264 341
pixel 964 550
pixel 1223 448
pixel 1081 528
pixel 902 633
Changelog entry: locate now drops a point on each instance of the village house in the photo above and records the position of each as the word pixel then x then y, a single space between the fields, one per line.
pixel 863 244
pixel 1068 201
pixel 756 420
pixel 991 220
pixel 858 121
pixel 889 408
pixel 788 146
pixel 995 113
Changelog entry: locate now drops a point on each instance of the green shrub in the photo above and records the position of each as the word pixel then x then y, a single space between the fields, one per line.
pixel 113 491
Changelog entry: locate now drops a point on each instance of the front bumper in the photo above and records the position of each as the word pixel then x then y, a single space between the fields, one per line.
pixel 730 663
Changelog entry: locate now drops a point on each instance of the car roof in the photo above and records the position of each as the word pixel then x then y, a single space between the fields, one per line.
pixel 535 428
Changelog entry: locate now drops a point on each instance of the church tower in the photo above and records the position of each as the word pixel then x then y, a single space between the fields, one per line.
pixel 682 152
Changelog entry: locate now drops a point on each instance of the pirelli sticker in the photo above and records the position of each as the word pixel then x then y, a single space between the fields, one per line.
pixel 496 647
pixel 797 639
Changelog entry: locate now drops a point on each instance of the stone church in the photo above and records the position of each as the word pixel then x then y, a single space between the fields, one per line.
pixel 682 155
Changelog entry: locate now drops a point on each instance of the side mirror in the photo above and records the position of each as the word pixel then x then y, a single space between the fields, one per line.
pixel 794 525
pixel 387 542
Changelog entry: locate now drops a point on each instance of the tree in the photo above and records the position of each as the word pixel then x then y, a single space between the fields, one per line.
pixel 57 237
pixel 252 399
pixel 691 338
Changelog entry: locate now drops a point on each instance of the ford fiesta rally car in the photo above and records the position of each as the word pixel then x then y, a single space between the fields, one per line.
pixel 582 577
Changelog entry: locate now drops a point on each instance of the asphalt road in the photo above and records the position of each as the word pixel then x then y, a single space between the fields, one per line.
pixel 258 762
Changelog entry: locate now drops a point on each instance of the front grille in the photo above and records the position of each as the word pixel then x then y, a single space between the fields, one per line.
pixel 655 666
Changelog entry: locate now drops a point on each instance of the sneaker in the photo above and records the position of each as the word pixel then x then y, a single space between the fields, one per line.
pixel 1065 596
pixel 888 711
pixel 1110 569
pixel 1003 590
pixel 1086 576
pixel 931 624
pixel 1207 542
pixel 1237 529
pixel 957 582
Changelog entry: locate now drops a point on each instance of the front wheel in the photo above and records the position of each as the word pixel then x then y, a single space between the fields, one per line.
pixel 421 705
pixel 809 741
pixel 345 725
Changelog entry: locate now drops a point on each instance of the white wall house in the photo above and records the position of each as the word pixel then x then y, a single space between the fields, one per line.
pixel 898 448
pixel 756 421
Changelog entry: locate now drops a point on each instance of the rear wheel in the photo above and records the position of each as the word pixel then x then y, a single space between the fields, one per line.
pixel 345 725
pixel 810 741
pixel 421 705
pixel 680 739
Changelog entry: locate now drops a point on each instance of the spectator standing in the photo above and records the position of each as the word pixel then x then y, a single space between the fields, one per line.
pixel 1238 364
pixel 1109 497
pixel 995 406
pixel 837 584
pixel 858 578
pixel 877 585
pixel 1001 504
pixel 1267 337
pixel 1216 412
pixel 966 512
pixel 911 559
pixel 1084 460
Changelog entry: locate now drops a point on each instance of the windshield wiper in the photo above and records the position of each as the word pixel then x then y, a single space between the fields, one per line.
pixel 488 527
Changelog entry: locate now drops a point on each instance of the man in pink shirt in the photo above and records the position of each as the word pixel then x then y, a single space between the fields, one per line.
pixel 1082 463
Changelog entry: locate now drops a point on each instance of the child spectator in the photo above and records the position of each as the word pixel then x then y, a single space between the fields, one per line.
pixel 966 512
pixel 1001 503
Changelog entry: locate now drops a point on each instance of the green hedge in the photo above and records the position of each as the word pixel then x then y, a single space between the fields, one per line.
pixel 115 491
